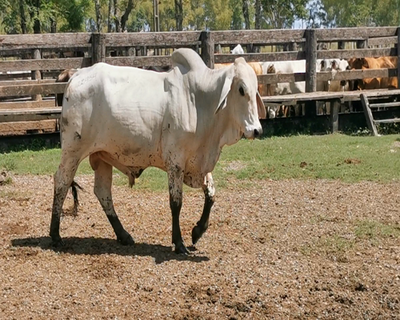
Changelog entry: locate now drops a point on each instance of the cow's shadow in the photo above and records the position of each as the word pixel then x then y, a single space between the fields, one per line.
pixel 98 246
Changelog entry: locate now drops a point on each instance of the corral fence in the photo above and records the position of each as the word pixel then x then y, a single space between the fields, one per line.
pixel 29 65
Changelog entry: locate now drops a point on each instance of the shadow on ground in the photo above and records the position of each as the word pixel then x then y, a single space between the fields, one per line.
pixel 98 246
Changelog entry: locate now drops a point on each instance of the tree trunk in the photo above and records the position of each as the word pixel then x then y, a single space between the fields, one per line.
pixel 36 24
pixel 126 14
pixel 109 26
pixel 258 14
pixel 24 29
pixel 246 14
pixel 179 15
pixel 53 25
pixel 98 15
pixel 116 19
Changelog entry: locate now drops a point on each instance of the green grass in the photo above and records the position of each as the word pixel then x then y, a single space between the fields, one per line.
pixel 369 232
pixel 347 158
pixel 373 230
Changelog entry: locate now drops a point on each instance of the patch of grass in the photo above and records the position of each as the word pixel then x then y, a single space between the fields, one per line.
pixel 375 230
pixel 9 164
pixel 334 247
pixel 348 158
pixel 338 247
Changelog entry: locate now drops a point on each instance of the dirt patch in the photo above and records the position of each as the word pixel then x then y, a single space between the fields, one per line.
pixel 288 249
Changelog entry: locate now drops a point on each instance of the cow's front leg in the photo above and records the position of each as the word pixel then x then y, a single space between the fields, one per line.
pixel 175 182
pixel 209 194
pixel 102 190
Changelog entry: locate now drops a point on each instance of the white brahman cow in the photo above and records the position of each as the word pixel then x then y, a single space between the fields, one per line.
pixel 177 121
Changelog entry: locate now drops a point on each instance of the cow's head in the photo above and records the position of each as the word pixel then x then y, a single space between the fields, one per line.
pixel 240 96
pixel 358 63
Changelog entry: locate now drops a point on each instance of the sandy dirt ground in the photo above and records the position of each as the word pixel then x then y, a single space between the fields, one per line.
pixel 274 250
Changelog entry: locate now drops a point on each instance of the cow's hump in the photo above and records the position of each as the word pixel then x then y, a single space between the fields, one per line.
pixel 187 60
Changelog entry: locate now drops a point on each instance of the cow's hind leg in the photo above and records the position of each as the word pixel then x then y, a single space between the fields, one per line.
pixel 63 180
pixel 175 181
pixel 102 190
pixel 209 194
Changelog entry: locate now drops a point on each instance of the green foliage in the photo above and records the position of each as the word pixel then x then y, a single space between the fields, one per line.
pixel 72 15
pixel 358 13
pixel 218 14
pixel 80 15
pixel 282 13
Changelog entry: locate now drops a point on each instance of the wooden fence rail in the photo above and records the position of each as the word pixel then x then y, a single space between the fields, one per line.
pixel 24 57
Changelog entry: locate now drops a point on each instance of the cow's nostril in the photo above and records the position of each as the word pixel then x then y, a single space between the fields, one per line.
pixel 256 133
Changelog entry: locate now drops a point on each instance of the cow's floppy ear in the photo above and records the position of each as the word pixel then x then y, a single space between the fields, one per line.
pixel 224 93
pixel 262 113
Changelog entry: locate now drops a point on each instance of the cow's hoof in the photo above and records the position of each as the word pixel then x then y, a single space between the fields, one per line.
pixel 197 232
pixel 126 240
pixel 181 249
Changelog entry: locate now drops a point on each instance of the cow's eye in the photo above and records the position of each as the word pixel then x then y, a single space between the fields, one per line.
pixel 241 90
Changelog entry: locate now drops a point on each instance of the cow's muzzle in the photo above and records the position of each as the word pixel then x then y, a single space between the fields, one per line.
pixel 257 133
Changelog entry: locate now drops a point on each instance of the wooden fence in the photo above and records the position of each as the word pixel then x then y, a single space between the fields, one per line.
pixel 30 63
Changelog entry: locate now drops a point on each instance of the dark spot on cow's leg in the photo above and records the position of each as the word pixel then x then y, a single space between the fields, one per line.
pixel 123 236
pixel 175 184
pixel 56 240
pixel 202 224
pixel 176 230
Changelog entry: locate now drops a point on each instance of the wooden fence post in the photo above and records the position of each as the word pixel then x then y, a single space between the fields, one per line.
pixel 207 48
pixel 311 70
pixel 334 115
pixel 398 57
pixel 311 60
pixel 36 74
pixel 98 47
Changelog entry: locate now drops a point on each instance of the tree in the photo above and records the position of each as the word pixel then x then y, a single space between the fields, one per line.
pixel 317 15
pixel 179 14
pixel 258 16
pixel 359 13
pixel 99 19
pixel 195 15
pixel 281 14
pixel 116 21
pixel 71 15
pixel 246 14
pixel 386 12
pixel 237 16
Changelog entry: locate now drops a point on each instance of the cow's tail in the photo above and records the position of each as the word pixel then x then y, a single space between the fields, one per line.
pixel 74 188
